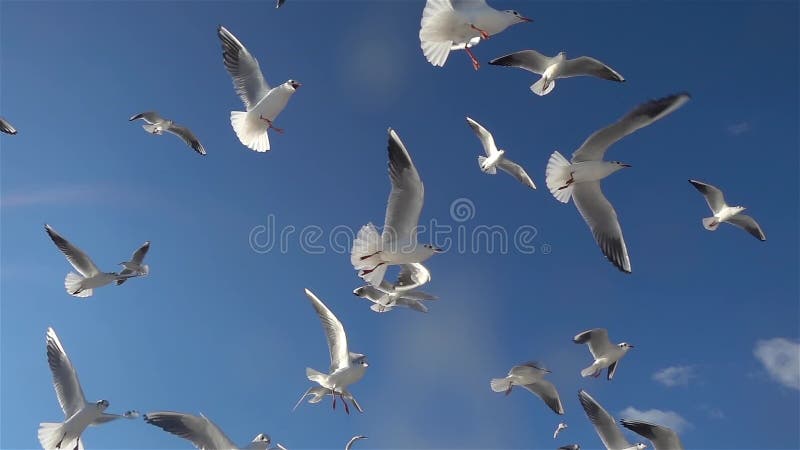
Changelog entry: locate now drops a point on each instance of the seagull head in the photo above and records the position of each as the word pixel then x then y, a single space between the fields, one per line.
pixel 519 17
pixel 641 446
pixel 739 209
pixel 433 249
pixel 358 359
pixel 625 346
pixel 294 84
pixel 102 405
pixel 261 437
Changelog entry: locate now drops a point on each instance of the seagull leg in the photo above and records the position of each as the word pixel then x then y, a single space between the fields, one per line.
pixel 484 34
pixel 508 391
pixel 346 408
pixel 269 122
pixel 570 181
pixel 597 373
pixel 334 398
pixel 472 58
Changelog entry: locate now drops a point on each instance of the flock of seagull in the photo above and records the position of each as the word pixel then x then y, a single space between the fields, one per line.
pixel 446 25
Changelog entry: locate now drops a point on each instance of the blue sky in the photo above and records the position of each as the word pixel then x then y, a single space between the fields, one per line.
pixel 222 329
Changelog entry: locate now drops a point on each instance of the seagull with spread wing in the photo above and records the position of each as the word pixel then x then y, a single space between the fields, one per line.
pixel 606 354
pixel 496 159
pixel 530 376
pixel 724 213
pixel 202 432
pixel 136 266
pixel 353 441
pixel 385 297
pixel 606 427
pixel 157 125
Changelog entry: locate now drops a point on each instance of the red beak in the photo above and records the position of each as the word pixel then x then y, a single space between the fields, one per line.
pixel 526 19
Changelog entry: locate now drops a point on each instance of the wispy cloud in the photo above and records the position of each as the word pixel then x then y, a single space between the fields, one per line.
pixel 669 419
pixel 711 411
pixel 739 128
pixel 781 359
pixel 675 376
pixel 49 196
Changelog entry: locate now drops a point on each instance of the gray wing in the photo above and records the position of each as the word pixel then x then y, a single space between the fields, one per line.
pixel 244 69
pixel 598 341
pixel 612 369
pixel 748 224
pixel 408 194
pixel 643 115
pixel 79 260
pixel 712 194
pixel 570 447
pixel 150 117
pixel 109 417
pixel 65 378
pixel 280 3
pixel 418 295
pixel 202 432
pixel 467 4
pixel 334 332
pixel 6 127
pixel 414 304
pixel 487 140
pixel 370 292
pixel 547 392
pixel 530 60
pixel 603 423
pixel 411 277
pixel 586 66
pixel 662 438
pixel 602 220
pixel 188 137
pixel 515 170
pixel 352 441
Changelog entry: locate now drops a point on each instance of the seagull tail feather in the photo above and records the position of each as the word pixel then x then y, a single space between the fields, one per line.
pixel 492 170
pixel 50 434
pixel 500 384
pixel 710 223
pixel 557 175
pixel 315 375
pixel 251 133
pixel 539 89
pixel 366 244
pixel 589 371
pixel 72 283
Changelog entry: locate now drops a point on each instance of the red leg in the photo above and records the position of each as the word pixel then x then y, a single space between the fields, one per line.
pixel 346 408
pixel 484 34
pixel 269 122
pixel 472 57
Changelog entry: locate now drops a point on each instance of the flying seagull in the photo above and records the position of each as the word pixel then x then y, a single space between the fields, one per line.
pixel 496 159
pixel 553 68
pixel 662 438
pixel 604 424
pixel 158 125
pixel 262 102
pixel 202 432
pixel 724 213
pixel 90 277
pixel 531 377
pixel 580 178
pixel 561 427
pixel 460 24
pixel 346 367
pixel 606 354
pixel 6 127
pixel 352 441
pixel 570 447
pixel 78 413
pixel 317 393
pixel 385 298
pixel 134 267
pixel 372 253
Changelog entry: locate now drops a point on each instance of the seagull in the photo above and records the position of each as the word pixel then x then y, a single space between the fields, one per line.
pixel 580 179
pixel 346 367
pixel 280 3
pixel 78 413
pixel 460 24
pixel 606 354
pixel 724 213
pixel 373 253
pixel 202 432
pixel 385 298
pixel 263 103
pixel 6 127
pixel 90 276
pixel 134 267
pixel 570 447
pixel 662 438
pixel 555 67
pixel 561 427
pixel 531 377
pixel 495 159
pixel 604 424
pixel 317 393
pixel 158 125
pixel 352 441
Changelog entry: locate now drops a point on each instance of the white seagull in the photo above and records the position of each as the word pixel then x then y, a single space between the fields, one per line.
pixel 263 103
pixel 580 179
pixel 385 298
pixel 346 367
pixel 317 393
pixel 90 277
pixel 561 427
pixel 78 413
pixel 135 266
pixel 202 432
pixel 531 377
pixel 6 127
pixel 606 427
pixel 460 24
pixel 724 213
pixel 496 159
pixel 372 253
pixel 158 125
pixel 662 438
pixel 352 441
pixel 606 354
pixel 555 67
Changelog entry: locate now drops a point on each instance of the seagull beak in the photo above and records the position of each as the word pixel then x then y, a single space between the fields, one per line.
pixel 626 165
pixel 631 346
pixel 296 85
pixel 526 19
pixel 438 250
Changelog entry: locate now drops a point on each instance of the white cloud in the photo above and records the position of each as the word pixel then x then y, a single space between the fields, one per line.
pixel 739 128
pixel 781 359
pixel 669 419
pixel 675 376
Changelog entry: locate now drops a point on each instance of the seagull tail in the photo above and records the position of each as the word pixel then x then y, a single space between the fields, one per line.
pixel 434 48
pixel 50 434
pixel 710 223
pixel 589 371
pixel 539 89
pixel 380 308
pixel 557 175
pixel 500 384
pixel 492 170
pixel 72 283
pixel 367 244
pixel 315 375
pixel 251 133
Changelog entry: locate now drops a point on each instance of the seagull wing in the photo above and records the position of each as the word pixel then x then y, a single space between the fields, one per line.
pixel 604 424
pixel 202 432
pixel 408 193
pixel 244 69
pixel 150 117
pixel 547 392
pixel 411 277
pixel 79 260
pixel 594 148
pixel 334 332
pixel 748 224
pixel 352 441
pixel 585 65
pixel 65 378
pixel 597 339
pixel 6 127
pixel 602 220
pixel 483 134
pixel 713 195
pixel 188 137
pixel 280 3
pixel 515 170
pixel 140 253
pixel 530 60
pixel 662 438
pixel 468 4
